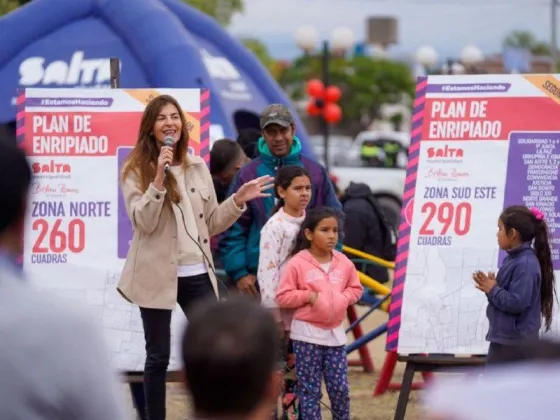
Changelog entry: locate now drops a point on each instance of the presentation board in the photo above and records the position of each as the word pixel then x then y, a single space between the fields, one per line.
pixel 78 233
pixel 479 143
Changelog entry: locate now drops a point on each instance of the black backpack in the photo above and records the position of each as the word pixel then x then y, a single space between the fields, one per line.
pixel 389 234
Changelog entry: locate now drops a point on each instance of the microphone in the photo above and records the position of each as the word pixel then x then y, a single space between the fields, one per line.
pixel 168 141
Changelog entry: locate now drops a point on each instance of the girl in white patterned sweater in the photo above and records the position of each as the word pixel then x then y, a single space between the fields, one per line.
pixel 292 188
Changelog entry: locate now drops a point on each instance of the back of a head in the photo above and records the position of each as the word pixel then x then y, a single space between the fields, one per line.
pixel 224 152
pixel 356 190
pixel 15 177
pixel 230 352
pixel 248 136
pixel 248 139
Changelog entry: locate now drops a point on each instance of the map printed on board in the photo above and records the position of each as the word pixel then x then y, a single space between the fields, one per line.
pixel 78 233
pixel 478 144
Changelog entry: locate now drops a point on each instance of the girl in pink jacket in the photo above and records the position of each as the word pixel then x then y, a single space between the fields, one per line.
pixel 319 283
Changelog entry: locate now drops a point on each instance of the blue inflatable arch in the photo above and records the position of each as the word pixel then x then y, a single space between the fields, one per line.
pixel 161 43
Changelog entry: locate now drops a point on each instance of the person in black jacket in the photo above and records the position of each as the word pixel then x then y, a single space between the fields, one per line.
pixel 248 139
pixel 365 228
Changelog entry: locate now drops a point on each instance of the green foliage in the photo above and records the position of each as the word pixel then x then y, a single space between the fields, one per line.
pixel 526 40
pixel 366 85
pixel 221 10
pixel 261 52
pixel 6 6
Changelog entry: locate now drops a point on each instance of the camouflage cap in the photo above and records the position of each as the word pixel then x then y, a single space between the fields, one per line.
pixel 276 114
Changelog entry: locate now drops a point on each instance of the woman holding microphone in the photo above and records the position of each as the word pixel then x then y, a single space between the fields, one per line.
pixel 170 200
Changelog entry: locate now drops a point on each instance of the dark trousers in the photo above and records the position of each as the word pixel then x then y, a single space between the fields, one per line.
pixel 157 332
pixel 138 399
pixel 501 353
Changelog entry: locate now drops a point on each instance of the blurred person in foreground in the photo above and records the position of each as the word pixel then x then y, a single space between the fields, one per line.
pixel 510 391
pixel 278 147
pixel 53 362
pixel 230 353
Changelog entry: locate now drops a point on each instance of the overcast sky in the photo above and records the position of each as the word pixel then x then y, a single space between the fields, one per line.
pixel 448 25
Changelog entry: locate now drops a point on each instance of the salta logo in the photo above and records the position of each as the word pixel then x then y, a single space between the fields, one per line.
pixel 51 167
pixel 445 152
pixel 78 71
pixel 219 67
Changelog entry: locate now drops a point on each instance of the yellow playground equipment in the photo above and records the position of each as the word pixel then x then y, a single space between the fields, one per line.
pixel 376 296
pixel 366 280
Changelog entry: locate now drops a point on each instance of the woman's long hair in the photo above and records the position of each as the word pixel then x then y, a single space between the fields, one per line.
pixel 142 160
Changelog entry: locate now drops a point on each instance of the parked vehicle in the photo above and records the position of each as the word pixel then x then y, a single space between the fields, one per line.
pixel 384 140
pixel 338 148
pixel 347 165
pixel 386 183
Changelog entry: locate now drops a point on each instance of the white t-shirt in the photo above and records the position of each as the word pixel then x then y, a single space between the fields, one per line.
pixel 191 260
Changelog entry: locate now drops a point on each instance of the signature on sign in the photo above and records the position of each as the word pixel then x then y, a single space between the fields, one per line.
pixel 39 188
pixel 452 173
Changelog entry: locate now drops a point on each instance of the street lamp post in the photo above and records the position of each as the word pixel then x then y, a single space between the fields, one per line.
pixel 341 40
pixel 470 57
pixel 453 67
pixel 427 56
pixel 325 128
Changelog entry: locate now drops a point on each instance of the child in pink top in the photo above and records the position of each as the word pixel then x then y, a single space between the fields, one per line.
pixel 319 283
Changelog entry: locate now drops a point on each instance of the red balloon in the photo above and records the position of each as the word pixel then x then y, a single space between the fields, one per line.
pixel 315 88
pixel 332 113
pixel 333 94
pixel 313 109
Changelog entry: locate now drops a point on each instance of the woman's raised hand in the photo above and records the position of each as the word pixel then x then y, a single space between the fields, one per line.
pixel 254 189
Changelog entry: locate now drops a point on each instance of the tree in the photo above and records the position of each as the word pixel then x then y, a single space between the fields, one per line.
pixel 221 10
pixel 6 6
pixel 259 49
pixel 366 84
pixel 526 40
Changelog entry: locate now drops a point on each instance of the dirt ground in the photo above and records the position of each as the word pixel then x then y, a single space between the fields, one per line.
pixel 364 405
